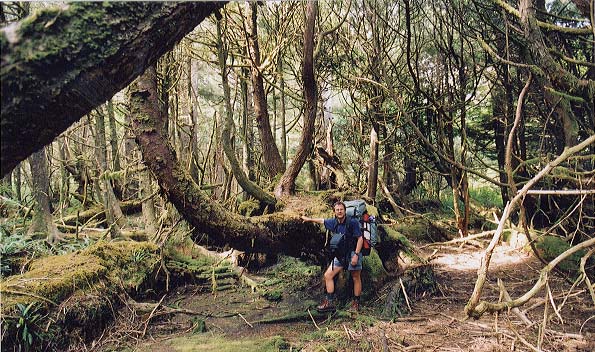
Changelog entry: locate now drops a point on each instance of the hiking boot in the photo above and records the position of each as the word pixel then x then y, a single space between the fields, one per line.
pixel 326 306
pixel 354 306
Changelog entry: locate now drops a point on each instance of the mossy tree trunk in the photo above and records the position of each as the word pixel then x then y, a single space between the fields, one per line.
pixel 92 50
pixel 208 217
pixel 42 219
pixel 113 212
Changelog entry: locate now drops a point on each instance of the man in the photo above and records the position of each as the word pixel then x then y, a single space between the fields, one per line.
pixel 353 235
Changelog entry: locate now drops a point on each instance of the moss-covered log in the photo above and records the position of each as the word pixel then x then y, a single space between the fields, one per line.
pixel 74 294
pixel 61 62
pixel 72 297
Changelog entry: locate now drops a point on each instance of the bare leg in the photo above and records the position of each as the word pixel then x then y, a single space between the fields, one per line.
pixel 329 276
pixel 357 282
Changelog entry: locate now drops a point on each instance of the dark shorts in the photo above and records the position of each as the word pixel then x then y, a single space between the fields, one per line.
pixel 350 267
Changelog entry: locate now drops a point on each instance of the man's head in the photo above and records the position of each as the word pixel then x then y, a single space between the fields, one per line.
pixel 339 208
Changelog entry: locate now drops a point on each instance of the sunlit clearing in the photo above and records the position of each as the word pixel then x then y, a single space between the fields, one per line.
pixel 503 255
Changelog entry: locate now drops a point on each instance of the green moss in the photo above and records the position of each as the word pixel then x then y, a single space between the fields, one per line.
pixel 549 247
pixel 82 282
pixel 54 278
pixel 373 271
pixel 207 343
pixel 248 207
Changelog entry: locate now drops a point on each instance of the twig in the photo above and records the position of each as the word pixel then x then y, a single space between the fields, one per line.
pixel 314 321
pixel 28 294
pixel 464 239
pixel 515 310
pixel 543 326
pixel 241 316
pixel 151 316
pixel 520 338
pixel 584 273
pixel 547 285
pixel 405 294
pixel 583 324
pixel 347 333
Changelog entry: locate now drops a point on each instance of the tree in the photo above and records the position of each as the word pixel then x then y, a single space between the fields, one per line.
pixel 85 53
pixel 286 185
pixel 272 158
pixel 228 126
pixel 43 221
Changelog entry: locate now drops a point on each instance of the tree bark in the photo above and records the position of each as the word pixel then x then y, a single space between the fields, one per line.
pixel 113 212
pixel 98 49
pixel 42 219
pixel 272 158
pixel 206 216
pixel 286 185
pixel 373 161
pixel 228 126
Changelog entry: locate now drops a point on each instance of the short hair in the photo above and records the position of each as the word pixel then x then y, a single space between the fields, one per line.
pixel 339 203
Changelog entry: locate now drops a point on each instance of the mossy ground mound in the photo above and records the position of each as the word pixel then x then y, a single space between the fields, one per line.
pixel 71 296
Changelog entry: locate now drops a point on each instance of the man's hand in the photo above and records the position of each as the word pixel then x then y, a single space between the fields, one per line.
pixel 354 259
pixel 305 218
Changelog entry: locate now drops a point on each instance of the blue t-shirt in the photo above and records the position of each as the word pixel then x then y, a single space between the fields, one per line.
pixel 352 232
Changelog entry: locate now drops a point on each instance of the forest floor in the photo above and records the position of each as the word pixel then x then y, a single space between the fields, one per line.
pixel 232 320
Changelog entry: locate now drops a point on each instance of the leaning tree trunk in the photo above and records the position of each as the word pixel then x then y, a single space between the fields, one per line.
pixel 206 216
pixel 272 158
pixel 42 219
pixel 286 185
pixel 100 48
pixel 248 186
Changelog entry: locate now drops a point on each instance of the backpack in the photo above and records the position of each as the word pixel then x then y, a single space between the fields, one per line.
pixel 357 209
pixel 339 248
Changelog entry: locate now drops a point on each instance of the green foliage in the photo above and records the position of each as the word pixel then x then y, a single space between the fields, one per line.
pixel 550 247
pixel 18 248
pixel 290 274
pixel 26 326
pixel 488 197
pixel 199 325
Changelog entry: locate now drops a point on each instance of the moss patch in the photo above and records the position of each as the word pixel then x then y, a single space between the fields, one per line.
pixel 207 343
pixel 74 290
pixel 549 247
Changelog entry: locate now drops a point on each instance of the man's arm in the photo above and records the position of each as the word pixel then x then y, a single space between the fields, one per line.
pixel 316 220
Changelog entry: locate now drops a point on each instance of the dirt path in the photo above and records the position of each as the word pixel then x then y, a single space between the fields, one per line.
pixel 437 323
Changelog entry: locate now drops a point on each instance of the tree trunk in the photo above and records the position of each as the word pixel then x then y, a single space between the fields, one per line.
pixel 113 212
pixel 247 129
pixel 557 78
pixel 286 185
pixel 16 183
pixel 282 107
pixel 272 158
pixel 500 115
pixel 102 47
pixel 42 219
pixel 373 161
pixel 228 126
pixel 206 216
pixel 148 206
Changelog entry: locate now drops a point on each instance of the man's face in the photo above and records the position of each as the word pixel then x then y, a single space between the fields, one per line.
pixel 339 211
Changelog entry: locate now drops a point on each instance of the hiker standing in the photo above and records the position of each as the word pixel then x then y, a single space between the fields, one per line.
pixel 350 228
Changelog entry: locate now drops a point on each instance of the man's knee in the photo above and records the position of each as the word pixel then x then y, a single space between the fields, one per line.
pixel 329 275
